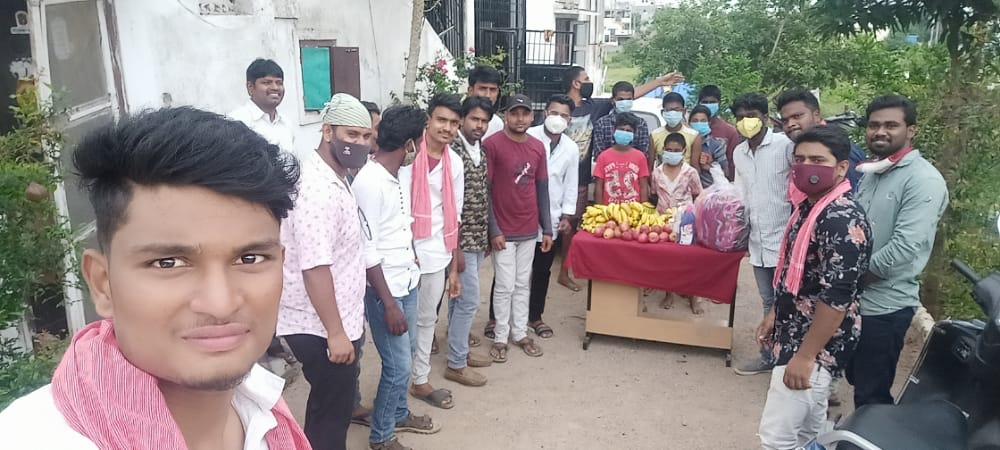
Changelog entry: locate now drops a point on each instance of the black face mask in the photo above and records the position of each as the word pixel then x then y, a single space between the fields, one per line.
pixel 586 90
pixel 351 156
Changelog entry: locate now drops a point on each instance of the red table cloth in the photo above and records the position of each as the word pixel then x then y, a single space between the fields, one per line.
pixel 684 269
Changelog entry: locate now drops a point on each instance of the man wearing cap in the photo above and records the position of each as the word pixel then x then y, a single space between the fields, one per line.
pixel 517 170
pixel 322 301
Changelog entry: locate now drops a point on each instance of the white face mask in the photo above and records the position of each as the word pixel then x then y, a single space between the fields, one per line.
pixel 555 124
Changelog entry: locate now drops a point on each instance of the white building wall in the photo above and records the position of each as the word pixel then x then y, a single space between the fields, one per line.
pixel 171 54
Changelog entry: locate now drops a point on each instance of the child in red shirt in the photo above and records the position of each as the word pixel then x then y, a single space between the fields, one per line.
pixel 622 174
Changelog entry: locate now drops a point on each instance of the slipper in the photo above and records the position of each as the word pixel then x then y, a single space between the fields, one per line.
pixel 440 398
pixel 363 419
pixel 473 341
pixel 499 353
pixel 488 331
pixel 530 348
pixel 417 424
pixel 541 329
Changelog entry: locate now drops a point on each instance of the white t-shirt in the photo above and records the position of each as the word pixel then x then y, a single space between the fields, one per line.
pixel 33 422
pixel 431 251
pixel 279 132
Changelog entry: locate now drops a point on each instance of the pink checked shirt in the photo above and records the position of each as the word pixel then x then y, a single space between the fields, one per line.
pixel 324 229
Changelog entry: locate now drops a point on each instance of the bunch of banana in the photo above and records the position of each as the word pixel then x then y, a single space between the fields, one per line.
pixel 593 217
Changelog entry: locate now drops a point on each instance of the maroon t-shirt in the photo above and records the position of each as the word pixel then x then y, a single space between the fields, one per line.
pixel 725 131
pixel 514 170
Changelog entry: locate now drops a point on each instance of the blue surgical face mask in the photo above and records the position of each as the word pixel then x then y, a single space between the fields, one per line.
pixel 672 158
pixel 623 137
pixel 703 128
pixel 672 118
pixel 623 106
pixel 713 108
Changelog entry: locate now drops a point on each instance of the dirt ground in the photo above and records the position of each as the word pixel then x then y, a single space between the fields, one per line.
pixel 619 394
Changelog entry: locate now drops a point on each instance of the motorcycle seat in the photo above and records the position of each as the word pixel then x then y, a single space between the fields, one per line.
pixel 929 425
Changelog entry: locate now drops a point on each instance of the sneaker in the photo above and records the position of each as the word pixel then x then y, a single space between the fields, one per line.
pixel 754 368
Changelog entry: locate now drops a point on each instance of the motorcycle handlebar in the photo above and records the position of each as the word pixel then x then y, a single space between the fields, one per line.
pixel 965 270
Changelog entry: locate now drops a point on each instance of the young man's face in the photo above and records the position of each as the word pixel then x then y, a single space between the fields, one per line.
pixel 742 113
pixel 623 95
pixel 673 106
pixel 625 127
pixel 483 89
pixel 797 118
pixel 815 153
pixel 192 281
pixel 349 134
pixel 442 126
pixel 518 120
pixel 887 132
pixel 474 124
pixel 673 146
pixel 267 92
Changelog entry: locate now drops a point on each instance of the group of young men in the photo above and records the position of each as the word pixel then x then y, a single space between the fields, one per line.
pixel 195 277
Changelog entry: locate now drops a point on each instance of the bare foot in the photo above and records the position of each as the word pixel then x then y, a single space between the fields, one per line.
pixel 568 282
pixel 696 306
pixel 667 302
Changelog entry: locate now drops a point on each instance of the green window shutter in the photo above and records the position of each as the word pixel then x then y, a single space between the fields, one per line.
pixel 316 77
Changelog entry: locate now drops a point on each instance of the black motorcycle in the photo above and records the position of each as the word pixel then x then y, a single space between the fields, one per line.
pixel 951 401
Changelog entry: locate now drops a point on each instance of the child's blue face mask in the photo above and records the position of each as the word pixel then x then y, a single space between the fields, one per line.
pixel 623 137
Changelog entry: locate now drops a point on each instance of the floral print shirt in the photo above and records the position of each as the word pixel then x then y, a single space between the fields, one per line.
pixel 835 267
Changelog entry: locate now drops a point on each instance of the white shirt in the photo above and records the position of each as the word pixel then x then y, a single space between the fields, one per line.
pixel 562 164
pixel 764 178
pixel 33 422
pixel 385 203
pixel 279 132
pixel 431 251
pixel 496 124
pixel 475 154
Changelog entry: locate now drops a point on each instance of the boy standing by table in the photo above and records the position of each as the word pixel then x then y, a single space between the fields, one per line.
pixel 622 175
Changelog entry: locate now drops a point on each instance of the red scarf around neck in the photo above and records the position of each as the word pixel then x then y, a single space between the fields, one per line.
pixel 118 406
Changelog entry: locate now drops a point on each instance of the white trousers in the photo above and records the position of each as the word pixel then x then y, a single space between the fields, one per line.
pixel 428 296
pixel 512 269
pixel 792 418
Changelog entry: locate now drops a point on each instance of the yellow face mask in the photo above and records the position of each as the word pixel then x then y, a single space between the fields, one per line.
pixel 749 126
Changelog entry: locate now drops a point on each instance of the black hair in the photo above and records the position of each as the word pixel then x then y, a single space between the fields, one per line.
pixel 261 68
pixel 709 90
pixel 180 146
pixel 569 76
pixel 484 74
pixel 473 102
pixel 622 86
pixel 372 107
pixel 797 95
pixel 629 119
pixel 676 138
pixel 831 137
pixel 673 97
pixel 445 100
pixel 753 101
pixel 399 124
pixel 700 109
pixel 562 99
pixel 893 101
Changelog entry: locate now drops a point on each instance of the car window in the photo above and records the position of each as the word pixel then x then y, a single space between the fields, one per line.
pixel 651 119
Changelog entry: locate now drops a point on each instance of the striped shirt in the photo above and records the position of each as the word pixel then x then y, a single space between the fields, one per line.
pixel 764 175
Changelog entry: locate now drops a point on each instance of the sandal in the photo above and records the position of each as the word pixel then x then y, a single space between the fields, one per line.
pixel 440 398
pixel 488 331
pixel 530 348
pixel 417 424
pixel 364 419
pixel 473 341
pixel 391 444
pixel 541 329
pixel 499 353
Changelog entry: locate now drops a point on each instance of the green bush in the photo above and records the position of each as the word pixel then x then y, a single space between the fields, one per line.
pixel 21 372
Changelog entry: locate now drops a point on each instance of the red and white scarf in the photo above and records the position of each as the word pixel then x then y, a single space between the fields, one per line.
pixel 118 406
pixel 797 263
pixel 420 202
pixel 884 164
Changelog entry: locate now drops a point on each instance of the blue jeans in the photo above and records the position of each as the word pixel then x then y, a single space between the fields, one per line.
pixel 462 310
pixel 765 286
pixel 397 356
